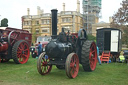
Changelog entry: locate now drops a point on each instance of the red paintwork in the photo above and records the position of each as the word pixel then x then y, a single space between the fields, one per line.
pixel 93 56
pixel 74 66
pixel 3 46
pixel 23 52
pixel 22 34
pixel 75 34
pixel 10 37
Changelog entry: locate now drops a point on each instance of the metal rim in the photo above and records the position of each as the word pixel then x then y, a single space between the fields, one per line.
pixel 93 56
pixel 72 65
pixel 12 37
pixel 23 52
pixel 42 64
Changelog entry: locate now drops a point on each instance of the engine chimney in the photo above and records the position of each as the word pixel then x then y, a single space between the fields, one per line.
pixel 54 22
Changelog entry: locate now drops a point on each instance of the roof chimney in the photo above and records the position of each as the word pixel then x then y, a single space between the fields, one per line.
pixel 63 6
pixel 110 19
pixel 78 6
pixel 28 11
pixel 38 10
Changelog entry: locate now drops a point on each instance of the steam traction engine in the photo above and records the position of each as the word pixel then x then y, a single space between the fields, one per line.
pixel 14 44
pixel 66 51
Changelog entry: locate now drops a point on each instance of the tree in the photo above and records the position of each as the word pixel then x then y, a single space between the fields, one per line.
pixel 120 20
pixel 91 37
pixel 125 37
pixel 4 22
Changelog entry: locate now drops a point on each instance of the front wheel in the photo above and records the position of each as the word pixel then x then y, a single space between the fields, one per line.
pixel 42 64
pixel 72 65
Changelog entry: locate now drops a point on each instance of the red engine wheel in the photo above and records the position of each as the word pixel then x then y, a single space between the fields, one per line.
pixel 93 56
pixel 89 56
pixel 20 52
pixel 42 64
pixel 12 37
pixel 72 65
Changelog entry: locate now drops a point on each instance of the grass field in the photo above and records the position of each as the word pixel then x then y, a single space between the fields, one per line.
pixel 26 74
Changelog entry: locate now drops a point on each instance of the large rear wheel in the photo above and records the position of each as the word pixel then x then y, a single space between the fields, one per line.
pixel 89 56
pixel 72 65
pixel 20 52
pixel 42 64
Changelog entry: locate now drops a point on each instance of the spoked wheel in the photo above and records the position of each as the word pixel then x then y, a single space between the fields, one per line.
pixel 42 64
pixel 72 65
pixel 20 52
pixel 12 37
pixel 89 56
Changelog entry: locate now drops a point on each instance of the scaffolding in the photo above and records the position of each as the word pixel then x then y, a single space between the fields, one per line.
pixel 91 13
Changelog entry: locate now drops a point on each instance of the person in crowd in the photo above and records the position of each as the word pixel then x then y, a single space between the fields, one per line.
pixel 39 49
pixel 98 58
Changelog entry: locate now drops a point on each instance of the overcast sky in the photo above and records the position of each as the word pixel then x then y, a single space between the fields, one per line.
pixel 13 10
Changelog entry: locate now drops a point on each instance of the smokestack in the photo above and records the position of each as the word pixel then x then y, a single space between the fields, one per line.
pixel 78 6
pixel 28 11
pixel 54 22
pixel 63 6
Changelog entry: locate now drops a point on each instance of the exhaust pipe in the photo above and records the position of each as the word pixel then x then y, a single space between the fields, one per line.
pixel 54 22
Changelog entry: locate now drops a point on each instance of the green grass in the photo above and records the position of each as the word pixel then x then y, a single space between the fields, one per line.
pixel 26 74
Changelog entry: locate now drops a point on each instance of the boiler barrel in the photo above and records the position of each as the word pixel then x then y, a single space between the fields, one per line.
pixel 55 50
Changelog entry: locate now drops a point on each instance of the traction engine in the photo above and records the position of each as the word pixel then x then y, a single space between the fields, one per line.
pixel 14 44
pixel 66 51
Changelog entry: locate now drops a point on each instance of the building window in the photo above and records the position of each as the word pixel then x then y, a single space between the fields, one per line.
pixel 66 19
pixel 37 31
pixel 45 30
pixel 27 22
pixel 46 21
pixel 37 22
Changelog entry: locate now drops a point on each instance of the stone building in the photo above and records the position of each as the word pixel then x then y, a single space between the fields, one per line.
pixel 40 24
pixel 100 25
